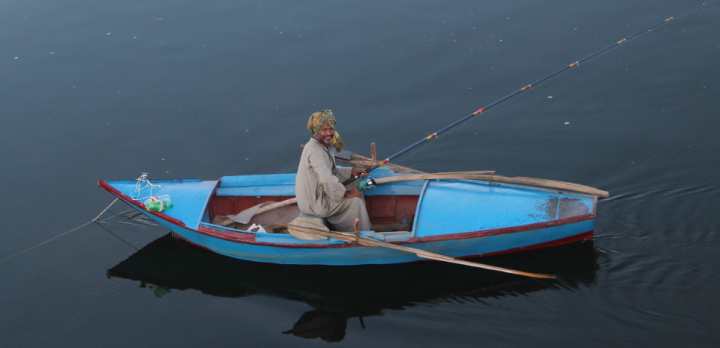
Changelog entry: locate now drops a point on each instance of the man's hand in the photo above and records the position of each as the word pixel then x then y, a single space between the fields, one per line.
pixel 359 171
pixel 350 193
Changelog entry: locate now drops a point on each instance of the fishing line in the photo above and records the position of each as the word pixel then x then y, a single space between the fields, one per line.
pixel 531 85
pixel 47 241
pixel 403 161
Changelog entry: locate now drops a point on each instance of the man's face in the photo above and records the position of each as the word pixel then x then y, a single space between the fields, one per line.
pixel 325 134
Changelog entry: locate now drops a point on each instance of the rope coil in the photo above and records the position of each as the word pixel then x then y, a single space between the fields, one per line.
pixel 143 179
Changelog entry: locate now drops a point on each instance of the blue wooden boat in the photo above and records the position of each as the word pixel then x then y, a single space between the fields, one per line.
pixel 458 218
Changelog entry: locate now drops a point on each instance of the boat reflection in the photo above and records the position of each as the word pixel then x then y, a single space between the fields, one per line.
pixel 339 293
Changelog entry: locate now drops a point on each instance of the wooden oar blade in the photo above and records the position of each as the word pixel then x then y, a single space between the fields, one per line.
pixel 302 228
pixel 492 268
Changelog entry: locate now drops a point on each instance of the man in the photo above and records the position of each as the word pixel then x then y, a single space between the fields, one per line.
pixel 318 185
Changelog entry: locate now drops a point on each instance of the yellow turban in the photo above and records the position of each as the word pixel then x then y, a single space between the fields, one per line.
pixel 318 119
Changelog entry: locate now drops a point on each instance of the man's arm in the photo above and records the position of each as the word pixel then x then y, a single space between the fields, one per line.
pixel 344 173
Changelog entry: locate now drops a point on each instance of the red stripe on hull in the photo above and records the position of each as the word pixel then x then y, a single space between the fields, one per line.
pixel 566 240
pixel 195 244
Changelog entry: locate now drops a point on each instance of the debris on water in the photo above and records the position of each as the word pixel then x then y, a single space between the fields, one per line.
pixel 108 33
pixel 52 52
pixel 247 130
pixel 549 97
pixel 567 122
pixel 247 158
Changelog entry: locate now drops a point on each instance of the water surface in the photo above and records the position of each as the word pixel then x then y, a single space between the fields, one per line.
pixel 106 90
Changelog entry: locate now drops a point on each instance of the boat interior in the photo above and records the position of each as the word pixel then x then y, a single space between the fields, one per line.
pixel 402 209
pixel 387 213
pixel 391 208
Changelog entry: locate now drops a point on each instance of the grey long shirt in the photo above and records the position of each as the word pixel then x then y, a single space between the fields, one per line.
pixel 318 185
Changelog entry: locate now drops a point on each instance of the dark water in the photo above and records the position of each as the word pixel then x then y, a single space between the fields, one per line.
pixel 100 89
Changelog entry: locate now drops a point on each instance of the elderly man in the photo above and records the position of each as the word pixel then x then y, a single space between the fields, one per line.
pixel 318 185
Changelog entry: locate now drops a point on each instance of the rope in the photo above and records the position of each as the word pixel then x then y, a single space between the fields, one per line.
pixel 103 212
pixel 529 86
pixel 142 179
pixel 49 240
pixel 60 235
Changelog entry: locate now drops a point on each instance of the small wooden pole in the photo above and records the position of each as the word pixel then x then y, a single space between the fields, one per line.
pixel 372 151
pixel 357 231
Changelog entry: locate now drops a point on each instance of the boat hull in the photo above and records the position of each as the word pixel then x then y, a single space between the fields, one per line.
pixel 533 232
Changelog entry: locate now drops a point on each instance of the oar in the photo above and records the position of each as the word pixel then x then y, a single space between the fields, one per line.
pixel 478 175
pixel 301 227
pixel 490 176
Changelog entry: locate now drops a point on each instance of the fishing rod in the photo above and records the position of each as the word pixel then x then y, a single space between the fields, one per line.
pixel 527 87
